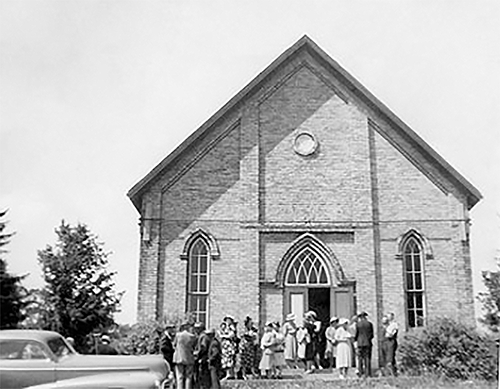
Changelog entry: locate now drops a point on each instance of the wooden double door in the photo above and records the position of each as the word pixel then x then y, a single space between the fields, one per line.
pixel 325 301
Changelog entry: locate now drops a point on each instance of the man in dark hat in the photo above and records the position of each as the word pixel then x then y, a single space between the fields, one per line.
pixel 201 373
pixel 167 345
pixel 214 359
pixel 105 348
pixel 363 337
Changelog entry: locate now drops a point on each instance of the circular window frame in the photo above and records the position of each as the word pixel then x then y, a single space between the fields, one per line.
pixel 307 152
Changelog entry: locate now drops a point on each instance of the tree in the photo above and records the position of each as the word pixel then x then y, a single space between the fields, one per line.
pixel 37 315
pixel 491 300
pixel 11 291
pixel 79 291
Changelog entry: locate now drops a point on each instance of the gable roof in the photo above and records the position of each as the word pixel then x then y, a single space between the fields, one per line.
pixel 305 43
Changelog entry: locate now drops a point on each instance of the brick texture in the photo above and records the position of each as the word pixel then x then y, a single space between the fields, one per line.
pixel 244 184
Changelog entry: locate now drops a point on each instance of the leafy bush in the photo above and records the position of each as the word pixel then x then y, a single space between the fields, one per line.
pixel 451 349
pixel 144 337
pixel 141 338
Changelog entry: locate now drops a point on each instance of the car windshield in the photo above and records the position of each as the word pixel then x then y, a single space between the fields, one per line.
pixel 59 347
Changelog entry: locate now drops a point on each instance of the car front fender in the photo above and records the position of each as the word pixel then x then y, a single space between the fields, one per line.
pixel 128 380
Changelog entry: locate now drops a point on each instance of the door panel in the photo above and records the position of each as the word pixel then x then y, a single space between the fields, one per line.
pixel 298 306
pixel 342 302
pixel 296 303
pixel 24 363
pixel 22 373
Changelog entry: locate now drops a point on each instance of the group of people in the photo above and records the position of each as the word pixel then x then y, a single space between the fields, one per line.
pixel 342 344
pixel 202 357
pixel 311 347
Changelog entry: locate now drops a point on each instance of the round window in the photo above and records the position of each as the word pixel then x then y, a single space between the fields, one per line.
pixel 305 143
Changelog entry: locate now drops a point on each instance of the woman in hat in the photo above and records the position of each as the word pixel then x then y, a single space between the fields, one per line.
pixel 302 339
pixel 330 349
pixel 228 338
pixel 247 349
pixel 266 344
pixel 290 333
pixel 353 324
pixel 343 343
pixel 311 342
pixel 279 351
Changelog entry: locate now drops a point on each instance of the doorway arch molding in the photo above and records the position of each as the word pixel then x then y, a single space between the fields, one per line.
pixel 327 256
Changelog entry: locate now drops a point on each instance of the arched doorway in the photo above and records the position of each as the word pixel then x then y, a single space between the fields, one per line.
pixel 312 279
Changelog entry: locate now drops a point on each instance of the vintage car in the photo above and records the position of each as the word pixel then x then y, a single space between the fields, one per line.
pixel 45 360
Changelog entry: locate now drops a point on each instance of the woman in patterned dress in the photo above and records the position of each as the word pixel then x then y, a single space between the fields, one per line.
pixel 278 348
pixel 247 348
pixel 227 334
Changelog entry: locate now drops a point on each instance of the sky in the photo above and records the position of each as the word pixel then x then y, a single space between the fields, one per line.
pixel 94 94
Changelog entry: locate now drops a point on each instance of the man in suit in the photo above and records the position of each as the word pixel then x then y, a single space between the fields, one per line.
pixel 167 345
pixel 202 372
pixel 363 337
pixel 214 359
pixel 184 344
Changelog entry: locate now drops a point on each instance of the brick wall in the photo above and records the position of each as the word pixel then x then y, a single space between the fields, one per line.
pixel 410 200
pixel 243 184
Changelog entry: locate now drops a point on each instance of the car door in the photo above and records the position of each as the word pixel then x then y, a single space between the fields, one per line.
pixel 24 363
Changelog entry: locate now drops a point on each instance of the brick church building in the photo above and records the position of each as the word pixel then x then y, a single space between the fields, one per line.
pixel 305 192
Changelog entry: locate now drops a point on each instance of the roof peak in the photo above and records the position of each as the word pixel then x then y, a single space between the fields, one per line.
pixel 471 193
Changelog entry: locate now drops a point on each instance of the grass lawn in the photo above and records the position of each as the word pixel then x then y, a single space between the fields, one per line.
pixel 376 383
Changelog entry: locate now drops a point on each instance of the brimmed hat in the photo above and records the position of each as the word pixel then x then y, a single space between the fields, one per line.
pixel 343 321
pixel 333 319
pixel 269 323
pixel 230 318
pixel 290 317
pixel 363 314
pixel 310 314
pixel 105 338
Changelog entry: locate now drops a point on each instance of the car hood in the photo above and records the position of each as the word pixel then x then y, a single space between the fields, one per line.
pixel 118 363
pixel 136 380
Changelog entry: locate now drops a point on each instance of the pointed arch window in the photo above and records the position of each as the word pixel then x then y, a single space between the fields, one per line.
pixel 414 281
pixel 198 280
pixel 307 269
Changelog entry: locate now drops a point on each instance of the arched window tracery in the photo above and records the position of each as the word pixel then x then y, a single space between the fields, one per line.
pixel 307 269
pixel 414 279
pixel 198 280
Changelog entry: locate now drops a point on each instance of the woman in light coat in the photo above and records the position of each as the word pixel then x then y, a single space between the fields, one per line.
pixel 290 333
pixel 331 350
pixel 266 344
pixel 343 343
pixel 302 340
